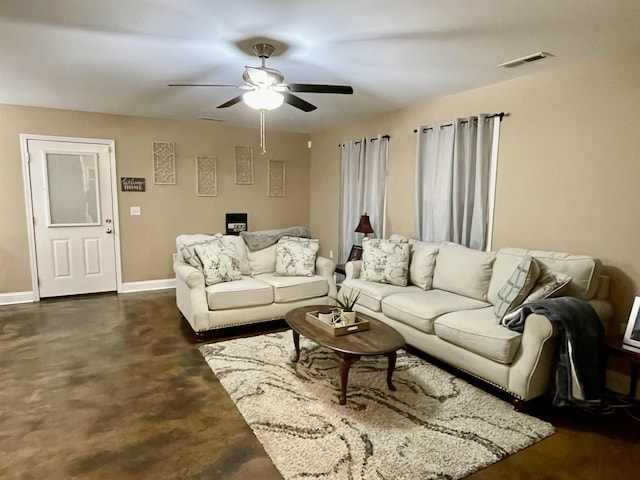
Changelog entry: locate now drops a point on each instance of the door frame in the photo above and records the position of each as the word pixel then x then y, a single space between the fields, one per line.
pixel 26 175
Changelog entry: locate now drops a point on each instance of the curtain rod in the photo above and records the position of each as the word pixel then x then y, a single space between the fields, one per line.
pixel 388 137
pixel 501 115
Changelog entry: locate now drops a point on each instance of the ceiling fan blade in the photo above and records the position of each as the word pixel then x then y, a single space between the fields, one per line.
pixel 231 102
pixel 201 85
pixel 314 88
pixel 298 102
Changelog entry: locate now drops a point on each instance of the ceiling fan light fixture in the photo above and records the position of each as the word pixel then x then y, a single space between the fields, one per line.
pixel 263 99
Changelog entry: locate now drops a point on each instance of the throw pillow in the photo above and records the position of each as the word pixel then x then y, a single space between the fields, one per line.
pixel 463 270
pixel 516 289
pixel 296 256
pixel 220 262
pixel 263 261
pixel 189 251
pixel 422 263
pixel 549 284
pixel 385 261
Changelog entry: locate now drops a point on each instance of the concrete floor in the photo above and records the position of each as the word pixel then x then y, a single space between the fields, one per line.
pixel 113 387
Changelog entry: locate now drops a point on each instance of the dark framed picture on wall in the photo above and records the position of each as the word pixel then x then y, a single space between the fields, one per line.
pixel 355 254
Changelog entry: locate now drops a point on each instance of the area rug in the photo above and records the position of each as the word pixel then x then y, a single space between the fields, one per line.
pixel 434 426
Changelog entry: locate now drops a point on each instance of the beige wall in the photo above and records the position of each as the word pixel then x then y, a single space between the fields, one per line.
pixel 148 241
pixel 568 173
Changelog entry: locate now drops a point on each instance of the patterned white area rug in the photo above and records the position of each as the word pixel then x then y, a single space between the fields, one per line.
pixel 434 426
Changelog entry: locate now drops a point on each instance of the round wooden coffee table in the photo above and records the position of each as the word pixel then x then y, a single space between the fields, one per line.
pixel 380 339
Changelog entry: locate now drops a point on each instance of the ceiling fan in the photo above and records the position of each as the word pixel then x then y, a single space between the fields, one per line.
pixel 266 89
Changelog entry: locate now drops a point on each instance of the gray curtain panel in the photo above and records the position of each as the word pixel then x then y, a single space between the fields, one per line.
pixel 453 180
pixel 364 183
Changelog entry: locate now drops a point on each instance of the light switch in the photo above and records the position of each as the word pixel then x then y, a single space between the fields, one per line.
pixel 135 210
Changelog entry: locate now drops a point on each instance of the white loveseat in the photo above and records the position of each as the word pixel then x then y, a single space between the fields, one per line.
pixel 447 309
pixel 258 295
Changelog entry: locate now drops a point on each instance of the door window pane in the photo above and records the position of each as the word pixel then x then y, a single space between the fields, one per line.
pixel 72 181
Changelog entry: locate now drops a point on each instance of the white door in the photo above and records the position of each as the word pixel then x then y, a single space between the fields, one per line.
pixel 73 217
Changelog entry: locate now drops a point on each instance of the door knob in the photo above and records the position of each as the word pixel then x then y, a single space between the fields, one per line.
pixel 109 230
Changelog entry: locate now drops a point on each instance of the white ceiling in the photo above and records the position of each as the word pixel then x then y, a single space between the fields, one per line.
pixel 117 56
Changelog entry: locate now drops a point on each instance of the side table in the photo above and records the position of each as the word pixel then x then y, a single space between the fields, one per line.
pixel 614 347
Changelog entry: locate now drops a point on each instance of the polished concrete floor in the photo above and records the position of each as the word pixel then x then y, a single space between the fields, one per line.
pixel 114 387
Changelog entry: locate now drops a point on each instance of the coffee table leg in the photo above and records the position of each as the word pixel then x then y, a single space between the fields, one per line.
pixel 296 344
pixel 392 365
pixel 346 360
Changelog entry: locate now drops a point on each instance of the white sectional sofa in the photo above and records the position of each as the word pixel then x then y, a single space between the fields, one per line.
pixel 260 294
pixel 447 309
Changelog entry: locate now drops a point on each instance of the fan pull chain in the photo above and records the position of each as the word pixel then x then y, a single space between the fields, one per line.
pixel 263 135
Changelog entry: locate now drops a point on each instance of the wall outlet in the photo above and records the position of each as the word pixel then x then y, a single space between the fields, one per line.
pixel 135 210
pixel 331 254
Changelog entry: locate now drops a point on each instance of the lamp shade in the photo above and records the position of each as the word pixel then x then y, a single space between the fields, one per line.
pixel 263 99
pixel 364 226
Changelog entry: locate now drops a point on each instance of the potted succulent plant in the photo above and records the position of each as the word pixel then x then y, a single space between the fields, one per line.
pixel 346 304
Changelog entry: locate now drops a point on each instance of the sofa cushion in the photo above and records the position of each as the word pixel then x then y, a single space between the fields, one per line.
pixel 517 287
pixel 372 293
pixel 220 261
pixel 241 247
pixel 290 289
pixel 422 263
pixel 263 261
pixel 478 332
pixel 549 284
pixel 296 256
pixel 247 292
pixel 186 244
pixel 420 309
pixel 507 260
pixel 463 270
pixel 583 270
pixel 385 261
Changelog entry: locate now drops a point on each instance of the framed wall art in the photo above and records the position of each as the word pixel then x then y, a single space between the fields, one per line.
pixel 244 165
pixel 164 163
pixel 276 178
pixel 206 176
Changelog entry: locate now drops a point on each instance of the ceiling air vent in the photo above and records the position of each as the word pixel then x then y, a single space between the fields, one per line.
pixel 528 59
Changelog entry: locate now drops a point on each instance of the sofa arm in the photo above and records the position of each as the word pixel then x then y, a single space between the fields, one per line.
pixel 191 276
pixel 325 267
pixel 532 368
pixel 352 269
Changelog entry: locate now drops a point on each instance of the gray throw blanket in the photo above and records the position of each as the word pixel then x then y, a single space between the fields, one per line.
pixel 265 238
pixel 580 369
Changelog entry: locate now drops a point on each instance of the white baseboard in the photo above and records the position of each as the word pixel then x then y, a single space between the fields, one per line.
pixel 16 297
pixel 130 287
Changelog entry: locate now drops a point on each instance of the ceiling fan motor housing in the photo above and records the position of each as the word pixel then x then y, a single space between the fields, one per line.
pixel 264 50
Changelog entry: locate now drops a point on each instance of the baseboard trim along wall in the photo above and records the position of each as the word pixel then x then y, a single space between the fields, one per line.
pixel 17 297
pixel 128 287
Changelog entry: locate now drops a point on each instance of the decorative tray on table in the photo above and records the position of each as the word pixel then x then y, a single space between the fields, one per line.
pixel 338 328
